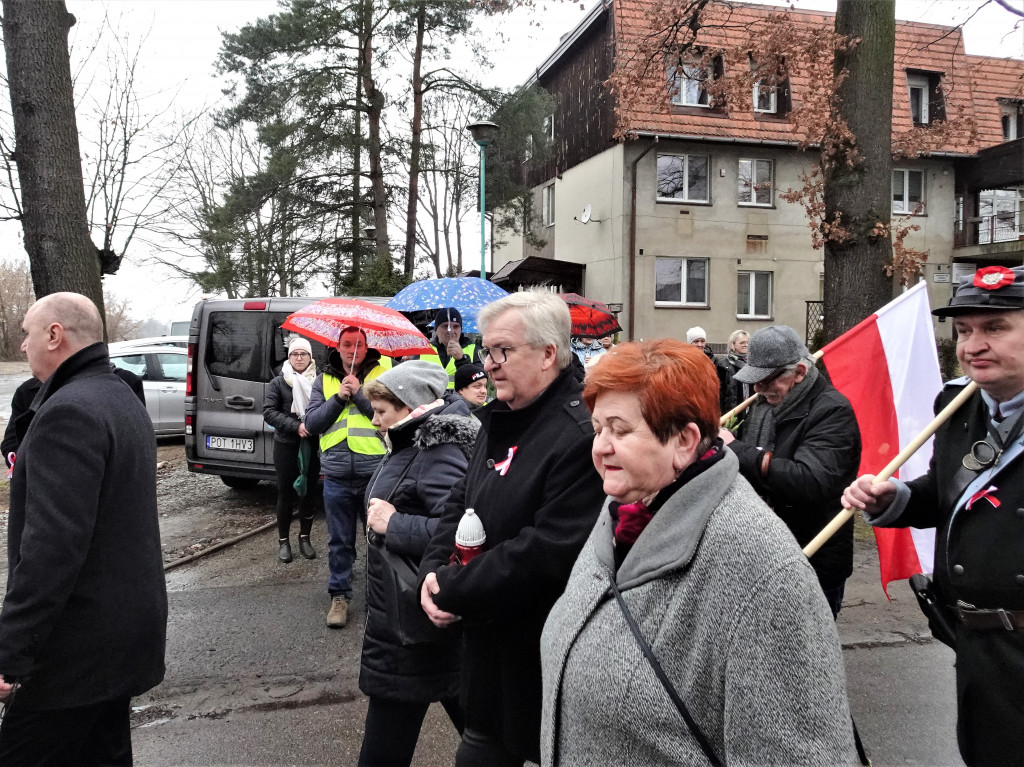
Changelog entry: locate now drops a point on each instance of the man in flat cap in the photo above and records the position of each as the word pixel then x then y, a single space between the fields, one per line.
pixel 973 494
pixel 799 446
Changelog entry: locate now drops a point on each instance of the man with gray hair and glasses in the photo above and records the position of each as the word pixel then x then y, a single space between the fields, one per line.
pixel 533 486
pixel 799 446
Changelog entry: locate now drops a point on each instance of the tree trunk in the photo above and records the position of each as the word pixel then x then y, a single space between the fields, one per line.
pixel 62 256
pixel 855 281
pixel 415 143
pixel 374 109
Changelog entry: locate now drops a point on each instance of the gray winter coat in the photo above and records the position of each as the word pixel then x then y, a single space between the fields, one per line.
pixel 734 614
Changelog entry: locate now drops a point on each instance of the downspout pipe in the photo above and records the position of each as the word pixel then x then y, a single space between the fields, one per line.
pixel 632 238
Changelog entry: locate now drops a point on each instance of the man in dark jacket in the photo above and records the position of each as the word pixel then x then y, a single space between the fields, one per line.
pixel 799 446
pixel 973 494
pixel 533 485
pixel 26 393
pixel 453 350
pixel 350 450
pixel 84 619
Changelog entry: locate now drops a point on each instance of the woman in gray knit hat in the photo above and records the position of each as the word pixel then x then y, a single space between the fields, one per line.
pixel 407 666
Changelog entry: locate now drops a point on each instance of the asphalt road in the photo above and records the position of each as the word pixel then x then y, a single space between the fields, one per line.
pixel 254 677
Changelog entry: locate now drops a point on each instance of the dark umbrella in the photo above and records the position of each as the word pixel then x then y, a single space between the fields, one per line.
pixel 590 318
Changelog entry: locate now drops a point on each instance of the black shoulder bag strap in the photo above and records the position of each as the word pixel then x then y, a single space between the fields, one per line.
pixel 702 740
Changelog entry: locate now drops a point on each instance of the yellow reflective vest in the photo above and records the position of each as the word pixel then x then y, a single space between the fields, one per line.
pixel 469 351
pixel 352 425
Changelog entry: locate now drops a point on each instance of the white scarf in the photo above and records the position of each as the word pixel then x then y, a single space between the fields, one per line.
pixel 302 386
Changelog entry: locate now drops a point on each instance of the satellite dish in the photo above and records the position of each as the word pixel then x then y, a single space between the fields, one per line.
pixel 585 215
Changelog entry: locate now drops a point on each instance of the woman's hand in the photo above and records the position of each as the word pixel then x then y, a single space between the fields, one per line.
pixel 378 514
pixel 6 689
pixel 437 616
pixel 303 431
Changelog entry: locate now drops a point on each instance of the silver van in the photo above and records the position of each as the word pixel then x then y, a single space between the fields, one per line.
pixel 235 348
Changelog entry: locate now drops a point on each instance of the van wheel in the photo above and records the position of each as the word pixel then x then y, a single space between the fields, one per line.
pixel 239 483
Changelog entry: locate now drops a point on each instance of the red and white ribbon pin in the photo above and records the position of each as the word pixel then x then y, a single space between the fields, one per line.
pixel 502 467
pixel 987 494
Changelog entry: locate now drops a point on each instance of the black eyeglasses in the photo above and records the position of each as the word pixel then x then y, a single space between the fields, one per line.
pixel 493 351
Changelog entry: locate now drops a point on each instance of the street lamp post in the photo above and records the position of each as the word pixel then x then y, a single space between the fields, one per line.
pixel 483 134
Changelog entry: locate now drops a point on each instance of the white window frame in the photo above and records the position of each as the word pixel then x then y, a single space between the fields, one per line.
pixel 689 71
pixel 686 174
pixel 773 100
pixel 750 314
pixel 547 204
pixel 905 207
pixel 921 83
pixel 683 277
pixel 755 182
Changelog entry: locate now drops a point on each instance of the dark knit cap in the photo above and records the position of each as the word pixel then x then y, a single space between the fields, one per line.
pixel 467 374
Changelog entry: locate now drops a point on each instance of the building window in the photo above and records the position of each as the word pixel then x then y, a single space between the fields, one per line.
pixel 755 182
pixel 681 281
pixel 908 192
pixel 683 177
pixel 547 203
pixel 754 295
pixel 549 127
pixel 766 98
pixel 687 84
pixel 926 102
pixel 1012 121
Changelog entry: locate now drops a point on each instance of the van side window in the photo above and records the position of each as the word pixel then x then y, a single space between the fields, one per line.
pixel 236 346
pixel 280 351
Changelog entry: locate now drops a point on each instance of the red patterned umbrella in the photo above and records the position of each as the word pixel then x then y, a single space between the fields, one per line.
pixel 386 329
pixel 590 319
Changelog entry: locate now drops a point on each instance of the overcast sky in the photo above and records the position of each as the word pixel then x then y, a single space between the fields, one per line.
pixel 184 38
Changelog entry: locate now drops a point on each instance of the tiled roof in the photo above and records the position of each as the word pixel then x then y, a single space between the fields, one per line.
pixel 925 47
pixel 994 79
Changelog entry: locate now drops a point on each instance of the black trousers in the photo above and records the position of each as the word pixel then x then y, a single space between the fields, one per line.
pixel 89 736
pixel 286 466
pixel 393 727
pixel 480 749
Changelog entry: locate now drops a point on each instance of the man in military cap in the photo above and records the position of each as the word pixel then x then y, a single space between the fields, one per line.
pixel 973 494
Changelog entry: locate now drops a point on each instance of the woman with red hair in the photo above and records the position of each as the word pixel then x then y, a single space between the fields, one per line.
pixel 714 640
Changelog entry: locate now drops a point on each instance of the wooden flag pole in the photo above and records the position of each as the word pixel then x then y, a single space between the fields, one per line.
pixel 750 400
pixel 894 465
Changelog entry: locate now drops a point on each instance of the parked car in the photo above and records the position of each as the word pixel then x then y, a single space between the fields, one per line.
pixel 180 341
pixel 162 370
pixel 235 348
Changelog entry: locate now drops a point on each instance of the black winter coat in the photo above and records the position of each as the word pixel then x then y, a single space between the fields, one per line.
pixel 85 614
pixel 427 459
pixel 817 454
pixel 979 559
pixel 537 516
pixel 277 411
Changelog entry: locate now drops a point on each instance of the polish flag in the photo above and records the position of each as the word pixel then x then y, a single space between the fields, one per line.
pixel 888 367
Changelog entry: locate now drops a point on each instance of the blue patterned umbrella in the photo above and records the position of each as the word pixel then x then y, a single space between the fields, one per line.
pixel 467 294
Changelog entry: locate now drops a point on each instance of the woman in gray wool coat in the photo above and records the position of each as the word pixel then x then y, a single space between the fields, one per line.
pixel 429 433
pixel 716 584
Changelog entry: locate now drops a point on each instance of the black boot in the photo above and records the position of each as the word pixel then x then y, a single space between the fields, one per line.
pixel 285 552
pixel 306 548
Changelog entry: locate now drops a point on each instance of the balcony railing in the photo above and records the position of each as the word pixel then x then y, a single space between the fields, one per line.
pixel 983 230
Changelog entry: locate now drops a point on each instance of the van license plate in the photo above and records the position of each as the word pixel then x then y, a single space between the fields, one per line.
pixel 229 443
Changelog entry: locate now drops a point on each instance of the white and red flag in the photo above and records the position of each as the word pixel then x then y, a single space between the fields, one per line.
pixel 888 367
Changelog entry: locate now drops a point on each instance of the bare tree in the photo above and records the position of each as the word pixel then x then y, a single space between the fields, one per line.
pixel 121 326
pixel 16 296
